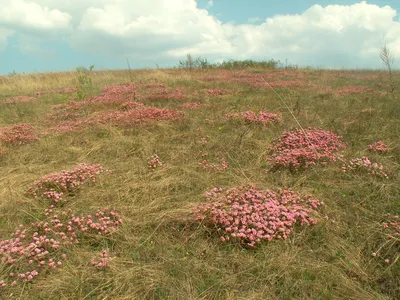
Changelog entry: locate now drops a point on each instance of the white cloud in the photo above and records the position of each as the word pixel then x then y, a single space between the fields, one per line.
pixel 30 16
pixel 164 31
pixel 210 3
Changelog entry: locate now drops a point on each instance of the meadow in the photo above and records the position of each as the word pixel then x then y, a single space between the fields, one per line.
pixel 223 183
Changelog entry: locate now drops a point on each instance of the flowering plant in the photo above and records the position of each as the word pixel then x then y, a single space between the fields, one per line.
pixel 18 134
pixel 250 215
pixel 364 164
pixel 303 148
pixel 263 117
pixel 54 186
pixel 379 146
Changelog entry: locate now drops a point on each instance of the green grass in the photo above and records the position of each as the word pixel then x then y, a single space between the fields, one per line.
pixel 159 252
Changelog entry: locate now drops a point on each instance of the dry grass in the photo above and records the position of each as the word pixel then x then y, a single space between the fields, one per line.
pixel 159 252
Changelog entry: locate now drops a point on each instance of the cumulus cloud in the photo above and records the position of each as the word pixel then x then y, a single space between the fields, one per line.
pixel 30 16
pixel 166 30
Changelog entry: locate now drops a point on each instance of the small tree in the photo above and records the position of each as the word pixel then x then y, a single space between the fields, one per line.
pixel 85 86
pixel 387 58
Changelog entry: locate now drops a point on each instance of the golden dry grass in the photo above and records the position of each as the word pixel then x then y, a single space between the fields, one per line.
pixel 159 252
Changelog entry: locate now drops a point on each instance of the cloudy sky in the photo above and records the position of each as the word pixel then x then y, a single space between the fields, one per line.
pixel 50 35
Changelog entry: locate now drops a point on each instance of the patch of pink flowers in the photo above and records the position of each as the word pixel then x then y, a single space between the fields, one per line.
pixel 219 92
pixel 67 111
pixel 132 114
pixel 250 215
pixel 39 247
pixel 263 117
pixel 115 94
pixel 365 165
pixel 132 105
pixel 55 185
pixel 278 84
pixel 164 93
pixel 388 247
pixel 203 140
pixel 222 165
pixel 111 95
pixel 36 249
pixel 103 262
pixel 191 105
pixel 352 90
pixel 70 126
pixel 66 226
pixel 379 146
pixel 19 99
pixel 18 134
pixel 155 162
pixel 276 78
pixel 139 115
pixel 392 226
pixel 302 148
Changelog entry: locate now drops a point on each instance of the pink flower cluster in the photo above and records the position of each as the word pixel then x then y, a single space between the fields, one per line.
pixel 70 126
pixel 275 78
pixel 303 148
pixel 132 105
pixel 389 248
pixel 111 95
pixel 218 167
pixel 263 117
pixel 203 140
pixel 133 113
pixel 115 94
pixel 103 262
pixel 66 226
pixel 352 90
pixel 164 93
pixel 191 105
pixel 155 162
pixel 36 249
pixel 19 99
pixel 251 215
pixel 379 146
pixel 18 134
pixel 363 164
pixel 136 116
pixel 383 85
pixel 67 111
pixel 340 74
pixel 219 92
pixel 278 84
pixel 392 226
pixel 54 186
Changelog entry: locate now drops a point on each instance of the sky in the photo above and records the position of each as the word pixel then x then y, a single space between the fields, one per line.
pixel 49 35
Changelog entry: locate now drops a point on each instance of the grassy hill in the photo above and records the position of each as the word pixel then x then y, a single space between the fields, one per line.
pixel 169 136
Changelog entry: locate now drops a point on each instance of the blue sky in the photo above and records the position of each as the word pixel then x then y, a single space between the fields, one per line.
pixel 46 35
pixel 241 10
